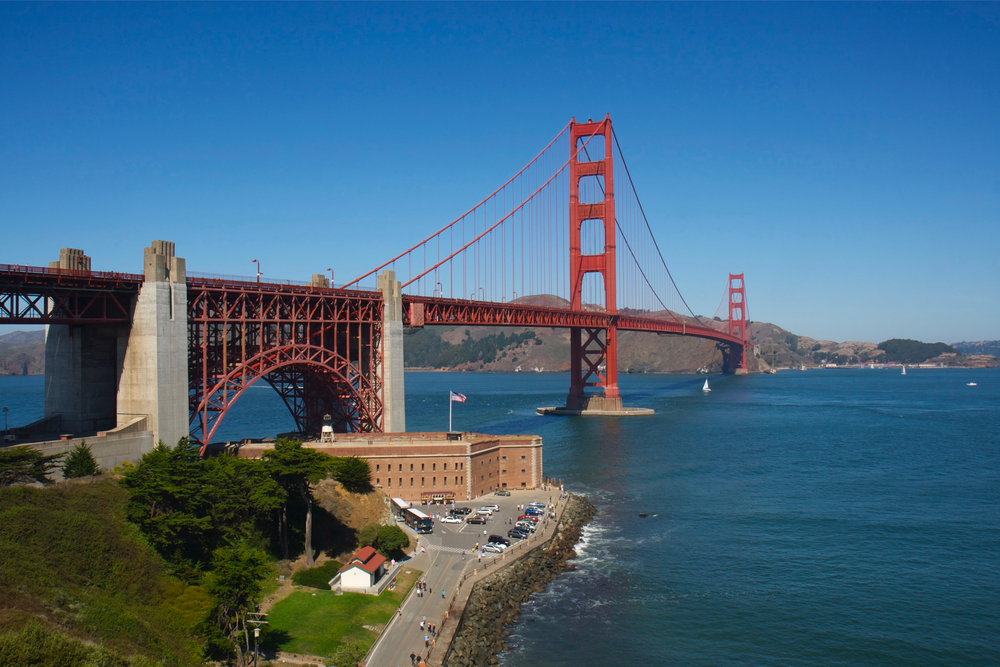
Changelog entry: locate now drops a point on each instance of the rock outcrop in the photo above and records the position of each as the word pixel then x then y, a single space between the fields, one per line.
pixel 496 601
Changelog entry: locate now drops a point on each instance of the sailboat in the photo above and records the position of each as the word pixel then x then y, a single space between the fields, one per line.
pixel 705 388
pixel 904 369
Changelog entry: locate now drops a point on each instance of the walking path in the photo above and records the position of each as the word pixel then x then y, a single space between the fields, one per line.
pixel 445 570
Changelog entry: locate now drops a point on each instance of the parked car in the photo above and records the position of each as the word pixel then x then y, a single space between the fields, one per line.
pixel 462 511
pixel 528 517
pixel 517 533
pixel 476 519
pixel 496 539
pixel 484 511
pixel 492 506
pixel 525 526
pixel 502 492
pixel 534 511
pixel 451 519
pixel 540 506
pixel 493 548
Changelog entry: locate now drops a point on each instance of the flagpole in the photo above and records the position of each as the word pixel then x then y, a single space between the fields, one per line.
pixel 449 410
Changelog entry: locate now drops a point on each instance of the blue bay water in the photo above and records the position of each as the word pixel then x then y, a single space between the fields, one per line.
pixel 847 517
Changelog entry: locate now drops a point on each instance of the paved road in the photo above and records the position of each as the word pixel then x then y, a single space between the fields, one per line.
pixel 439 555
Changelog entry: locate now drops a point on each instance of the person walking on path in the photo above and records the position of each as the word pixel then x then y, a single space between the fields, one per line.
pixel 413 658
pixel 442 593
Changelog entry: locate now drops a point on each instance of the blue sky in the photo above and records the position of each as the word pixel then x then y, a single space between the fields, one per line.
pixel 844 156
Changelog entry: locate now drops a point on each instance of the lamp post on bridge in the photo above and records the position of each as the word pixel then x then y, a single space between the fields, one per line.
pixel 259 274
pixel 331 276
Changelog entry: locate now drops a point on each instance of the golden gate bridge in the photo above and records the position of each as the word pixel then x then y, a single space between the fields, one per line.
pixel 564 243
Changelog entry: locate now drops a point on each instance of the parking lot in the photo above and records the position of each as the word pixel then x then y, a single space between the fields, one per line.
pixel 465 536
pixel 439 556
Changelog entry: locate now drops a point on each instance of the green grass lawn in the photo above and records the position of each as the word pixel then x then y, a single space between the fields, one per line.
pixel 318 622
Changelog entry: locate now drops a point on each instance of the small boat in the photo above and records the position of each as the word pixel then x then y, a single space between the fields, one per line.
pixel 643 515
pixel 705 388
pixel 971 384
pixel 904 369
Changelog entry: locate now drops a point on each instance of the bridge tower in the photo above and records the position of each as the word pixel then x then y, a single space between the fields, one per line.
pixel 739 325
pixel 593 352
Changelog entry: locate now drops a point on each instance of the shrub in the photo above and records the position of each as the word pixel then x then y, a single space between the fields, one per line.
pixel 80 462
pixel 368 535
pixel 349 655
pixel 355 473
pixel 391 540
pixel 317 577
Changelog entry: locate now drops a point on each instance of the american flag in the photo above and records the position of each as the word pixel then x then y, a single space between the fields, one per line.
pixel 457 398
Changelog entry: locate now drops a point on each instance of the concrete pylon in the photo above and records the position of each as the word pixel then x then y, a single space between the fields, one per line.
pixel 82 365
pixel 154 379
pixel 393 393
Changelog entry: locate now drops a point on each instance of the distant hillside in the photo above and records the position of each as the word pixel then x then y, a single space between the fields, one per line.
pixel 990 347
pixel 22 353
pixel 507 349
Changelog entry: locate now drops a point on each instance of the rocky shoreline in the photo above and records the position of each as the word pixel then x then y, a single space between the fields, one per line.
pixel 495 602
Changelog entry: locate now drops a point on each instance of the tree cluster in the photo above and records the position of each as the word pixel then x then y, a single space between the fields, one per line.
pixel 220 520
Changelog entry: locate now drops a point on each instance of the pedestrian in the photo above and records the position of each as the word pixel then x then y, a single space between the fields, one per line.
pixel 463 554
pixel 421 626
pixel 427 641
pixel 413 658
pixel 442 593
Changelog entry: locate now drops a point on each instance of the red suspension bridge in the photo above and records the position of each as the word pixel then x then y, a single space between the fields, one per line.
pixel 558 246
pixel 564 243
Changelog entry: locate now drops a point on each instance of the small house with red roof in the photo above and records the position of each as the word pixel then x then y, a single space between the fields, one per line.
pixel 363 570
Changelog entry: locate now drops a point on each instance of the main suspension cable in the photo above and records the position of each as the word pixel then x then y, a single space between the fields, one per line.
pixel 646 220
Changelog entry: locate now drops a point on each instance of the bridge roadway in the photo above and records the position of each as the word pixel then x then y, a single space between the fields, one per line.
pixel 429 311
pixel 443 567
pixel 38 295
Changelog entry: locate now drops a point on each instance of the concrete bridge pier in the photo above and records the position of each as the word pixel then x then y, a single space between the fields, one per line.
pixel 82 366
pixel 154 376
pixel 393 395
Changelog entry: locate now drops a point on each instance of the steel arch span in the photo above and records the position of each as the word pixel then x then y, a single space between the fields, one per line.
pixel 321 350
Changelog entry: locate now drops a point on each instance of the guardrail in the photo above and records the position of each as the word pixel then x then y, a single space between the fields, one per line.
pixel 22 269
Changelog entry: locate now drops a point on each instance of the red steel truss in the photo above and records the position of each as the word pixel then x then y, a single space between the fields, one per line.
pixel 37 295
pixel 320 348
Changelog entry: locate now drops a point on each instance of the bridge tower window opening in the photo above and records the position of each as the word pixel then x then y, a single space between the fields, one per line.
pixel 590 149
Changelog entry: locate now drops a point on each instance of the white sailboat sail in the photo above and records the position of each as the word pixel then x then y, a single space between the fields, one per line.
pixel 705 388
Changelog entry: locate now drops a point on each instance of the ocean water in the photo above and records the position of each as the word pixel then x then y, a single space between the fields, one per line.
pixel 842 517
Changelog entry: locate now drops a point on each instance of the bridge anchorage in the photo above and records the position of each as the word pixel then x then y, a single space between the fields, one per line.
pixel 558 246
